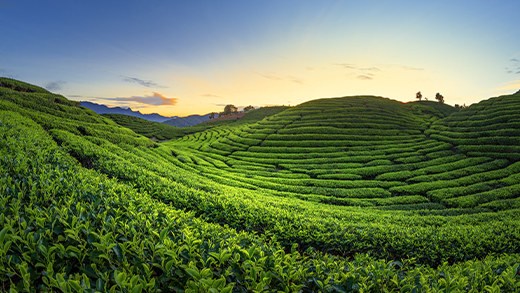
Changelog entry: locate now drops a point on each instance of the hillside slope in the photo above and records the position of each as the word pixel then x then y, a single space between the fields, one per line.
pixel 162 131
pixel 372 152
pixel 90 205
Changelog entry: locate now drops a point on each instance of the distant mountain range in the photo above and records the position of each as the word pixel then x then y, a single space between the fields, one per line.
pixel 187 121
pixel 173 121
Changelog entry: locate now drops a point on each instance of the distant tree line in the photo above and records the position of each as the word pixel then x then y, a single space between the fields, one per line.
pixel 438 97
pixel 229 110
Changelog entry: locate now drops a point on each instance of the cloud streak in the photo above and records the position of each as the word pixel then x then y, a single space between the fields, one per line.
pixel 279 78
pixel 411 68
pixel 54 85
pixel 155 100
pixel 270 76
pixel 146 83
pixel 211 96
pixel 363 73
pixel 515 67
pixel 346 65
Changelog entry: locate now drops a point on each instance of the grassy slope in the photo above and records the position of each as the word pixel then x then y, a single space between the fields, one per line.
pixel 150 129
pixel 112 217
pixel 445 109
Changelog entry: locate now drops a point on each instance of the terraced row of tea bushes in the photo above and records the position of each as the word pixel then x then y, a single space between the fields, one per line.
pixel 460 172
pixel 334 143
pixel 423 187
pixel 468 201
pixel 150 129
pixel 347 131
pixel 488 128
pixel 447 163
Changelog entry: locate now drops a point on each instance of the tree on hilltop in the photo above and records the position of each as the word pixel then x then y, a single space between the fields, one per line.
pixel 248 108
pixel 439 98
pixel 212 115
pixel 230 109
pixel 418 95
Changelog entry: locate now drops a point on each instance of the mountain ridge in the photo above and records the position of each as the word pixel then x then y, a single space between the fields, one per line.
pixel 104 109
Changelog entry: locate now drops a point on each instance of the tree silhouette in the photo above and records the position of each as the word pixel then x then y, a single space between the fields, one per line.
pixel 230 109
pixel 418 95
pixel 439 98
pixel 248 108
pixel 212 115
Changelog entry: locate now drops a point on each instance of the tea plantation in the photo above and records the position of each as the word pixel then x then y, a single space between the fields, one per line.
pixel 354 194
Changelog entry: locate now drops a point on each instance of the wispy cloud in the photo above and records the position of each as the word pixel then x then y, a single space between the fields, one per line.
pixel 295 79
pixel 514 68
pixel 369 69
pixel 346 65
pixel 146 83
pixel 410 68
pixel 75 96
pixel 352 66
pixel 156 100
pixel 211 96
pixel 363 73
pixel 272 76
pixel 55 85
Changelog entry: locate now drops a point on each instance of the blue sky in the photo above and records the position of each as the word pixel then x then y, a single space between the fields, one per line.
pixel 194 57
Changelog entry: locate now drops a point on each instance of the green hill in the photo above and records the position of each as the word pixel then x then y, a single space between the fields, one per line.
pixel 334 195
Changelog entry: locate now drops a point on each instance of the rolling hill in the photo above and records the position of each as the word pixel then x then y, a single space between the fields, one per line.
pixel 352 194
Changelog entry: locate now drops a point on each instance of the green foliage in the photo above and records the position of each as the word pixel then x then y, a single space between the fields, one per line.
pixel 355 194
pixel 20 86
pixel 150 129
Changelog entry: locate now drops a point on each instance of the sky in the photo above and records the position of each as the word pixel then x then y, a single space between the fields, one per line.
pixel 178 58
